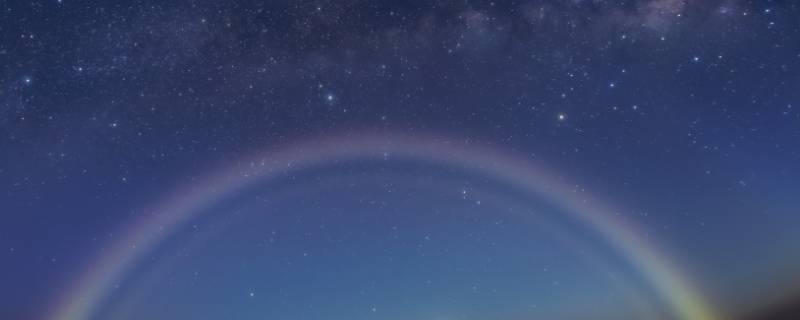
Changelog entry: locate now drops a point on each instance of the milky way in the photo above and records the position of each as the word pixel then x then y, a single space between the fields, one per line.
pixel 399 159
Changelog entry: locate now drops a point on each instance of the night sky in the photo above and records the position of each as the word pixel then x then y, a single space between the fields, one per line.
pixel 420 159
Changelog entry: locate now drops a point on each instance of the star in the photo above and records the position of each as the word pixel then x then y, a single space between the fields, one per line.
pixel 375 137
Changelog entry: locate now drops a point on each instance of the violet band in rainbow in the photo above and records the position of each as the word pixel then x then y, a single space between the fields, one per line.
pixel 102 274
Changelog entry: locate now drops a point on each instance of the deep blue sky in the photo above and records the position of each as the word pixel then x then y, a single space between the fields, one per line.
pixel 684 113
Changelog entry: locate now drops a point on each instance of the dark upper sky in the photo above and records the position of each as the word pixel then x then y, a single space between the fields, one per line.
pixel 683 114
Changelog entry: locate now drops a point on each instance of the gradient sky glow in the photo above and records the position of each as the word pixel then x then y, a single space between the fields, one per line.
pixel 421 159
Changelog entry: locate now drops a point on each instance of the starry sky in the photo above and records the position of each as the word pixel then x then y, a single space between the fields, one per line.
pixel 419 159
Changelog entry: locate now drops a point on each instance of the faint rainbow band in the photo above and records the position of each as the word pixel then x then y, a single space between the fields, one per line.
pixel 108 269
